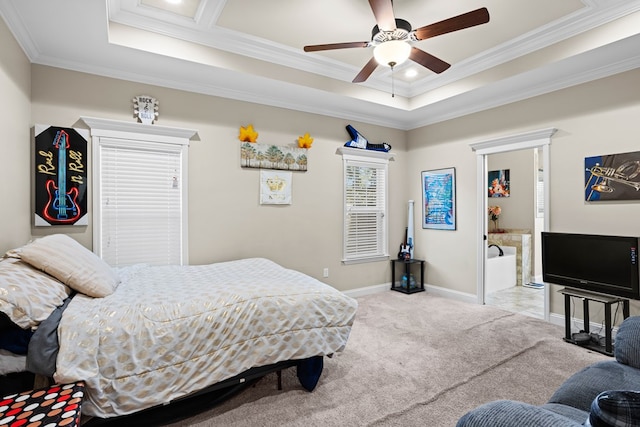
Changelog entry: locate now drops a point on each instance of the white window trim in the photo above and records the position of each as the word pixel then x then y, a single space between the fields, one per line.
pixel 376 158
pixel 114 129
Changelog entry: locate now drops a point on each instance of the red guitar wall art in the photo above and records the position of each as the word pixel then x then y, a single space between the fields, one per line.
pixel 62 206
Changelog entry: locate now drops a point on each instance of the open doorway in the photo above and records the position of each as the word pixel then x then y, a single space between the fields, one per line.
pixel 513 276
pixel 537 140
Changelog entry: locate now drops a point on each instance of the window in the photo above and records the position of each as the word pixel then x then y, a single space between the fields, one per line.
pixel 139 195
pixel 365 205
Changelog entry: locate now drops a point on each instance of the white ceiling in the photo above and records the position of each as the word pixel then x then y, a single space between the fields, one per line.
pixel 252 50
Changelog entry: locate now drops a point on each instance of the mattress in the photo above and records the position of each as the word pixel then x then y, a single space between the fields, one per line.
pixel 168 331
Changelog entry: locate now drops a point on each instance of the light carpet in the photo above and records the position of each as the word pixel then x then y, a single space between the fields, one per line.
pixel 414 360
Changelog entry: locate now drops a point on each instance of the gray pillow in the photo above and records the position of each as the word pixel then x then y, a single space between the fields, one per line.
pixel 627 344
pixel 72 264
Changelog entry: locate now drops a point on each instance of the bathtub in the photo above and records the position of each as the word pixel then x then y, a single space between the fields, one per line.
pixel 500 270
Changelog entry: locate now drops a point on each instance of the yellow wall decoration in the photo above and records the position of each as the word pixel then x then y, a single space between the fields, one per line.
pixel 305 141
pixel 248 134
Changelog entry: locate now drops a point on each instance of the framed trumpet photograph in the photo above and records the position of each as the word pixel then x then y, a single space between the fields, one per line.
pixel 439 199
pixel 612 177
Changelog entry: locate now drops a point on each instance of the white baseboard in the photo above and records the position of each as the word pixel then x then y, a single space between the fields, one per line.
pixel 368 290
pixel 554 318
pixel 578 324
pixel 430 289
pixel 448 293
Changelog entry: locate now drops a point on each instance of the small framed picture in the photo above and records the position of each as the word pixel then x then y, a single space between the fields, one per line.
pixel 499 183
pixel 439 199
pixel 275 187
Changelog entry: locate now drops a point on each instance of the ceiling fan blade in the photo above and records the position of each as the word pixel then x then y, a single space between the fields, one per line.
pixel 383 11
pixel 427 60
pixel 466 20
pixel 317 47
pixel 366 71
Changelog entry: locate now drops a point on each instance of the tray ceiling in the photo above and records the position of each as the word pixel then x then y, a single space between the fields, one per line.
pixel 252 50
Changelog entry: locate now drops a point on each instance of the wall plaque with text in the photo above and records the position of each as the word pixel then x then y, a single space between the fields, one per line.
pixel 60 176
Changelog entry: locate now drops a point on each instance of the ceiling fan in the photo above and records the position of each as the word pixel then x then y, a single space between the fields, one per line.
pixel 392 37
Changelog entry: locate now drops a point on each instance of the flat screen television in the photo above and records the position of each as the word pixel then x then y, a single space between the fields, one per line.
pixel 596 263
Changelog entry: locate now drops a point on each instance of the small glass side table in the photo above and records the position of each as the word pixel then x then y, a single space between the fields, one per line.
pixel 405 281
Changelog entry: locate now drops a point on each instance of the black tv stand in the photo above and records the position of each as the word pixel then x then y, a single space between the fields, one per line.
pixel 586 296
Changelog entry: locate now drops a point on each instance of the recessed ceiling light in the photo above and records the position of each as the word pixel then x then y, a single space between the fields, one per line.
pixel 174 1
pixel 411 72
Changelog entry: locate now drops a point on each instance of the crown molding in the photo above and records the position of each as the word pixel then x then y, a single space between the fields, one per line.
pixel 600 63
pixel 515 142
pixel 108 127
pixel 595 13
pixel 120 62
pixel 19 30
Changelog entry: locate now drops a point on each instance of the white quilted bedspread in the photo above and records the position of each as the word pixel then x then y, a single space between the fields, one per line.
pixel 169 331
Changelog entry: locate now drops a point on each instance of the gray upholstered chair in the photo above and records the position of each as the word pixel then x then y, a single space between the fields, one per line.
pixel 597 395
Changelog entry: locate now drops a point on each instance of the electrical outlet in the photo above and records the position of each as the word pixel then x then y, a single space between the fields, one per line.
pixel 325 272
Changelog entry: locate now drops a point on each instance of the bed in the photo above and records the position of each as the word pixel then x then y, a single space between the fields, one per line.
pixel 143 336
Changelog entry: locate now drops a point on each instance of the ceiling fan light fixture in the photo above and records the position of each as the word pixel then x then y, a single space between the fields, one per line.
pixel 392 52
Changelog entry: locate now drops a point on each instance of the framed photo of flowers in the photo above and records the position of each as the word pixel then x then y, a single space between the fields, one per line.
pixel 439 199
pixel 499 185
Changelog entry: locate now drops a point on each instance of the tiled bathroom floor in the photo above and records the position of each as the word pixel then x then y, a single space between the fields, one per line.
pixel 519 299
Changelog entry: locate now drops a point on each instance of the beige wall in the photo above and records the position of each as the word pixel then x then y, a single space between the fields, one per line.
pixel 15 111
pixel 518 210
pixel 595 118
pixel 226 220
pixel 449 255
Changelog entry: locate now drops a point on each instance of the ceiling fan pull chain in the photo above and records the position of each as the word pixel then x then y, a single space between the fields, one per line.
pixel 393 85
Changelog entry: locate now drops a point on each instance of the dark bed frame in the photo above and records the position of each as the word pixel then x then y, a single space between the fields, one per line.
pixel 308 372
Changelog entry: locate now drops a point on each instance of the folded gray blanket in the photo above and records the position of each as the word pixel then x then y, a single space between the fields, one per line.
pixel 43 346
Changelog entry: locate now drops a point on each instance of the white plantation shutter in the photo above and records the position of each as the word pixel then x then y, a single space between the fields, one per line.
pixel 365 209
pixel 141 202
pixel 139 192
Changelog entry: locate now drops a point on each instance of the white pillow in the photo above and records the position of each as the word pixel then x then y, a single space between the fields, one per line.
pixel 72 264
pixel 28 296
